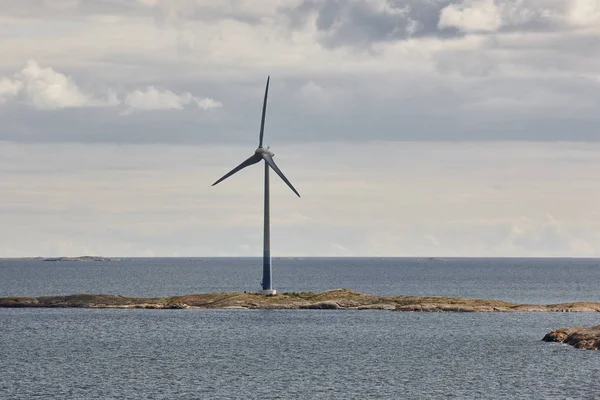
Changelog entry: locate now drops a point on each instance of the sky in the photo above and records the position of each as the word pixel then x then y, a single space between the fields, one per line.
pixel 446 128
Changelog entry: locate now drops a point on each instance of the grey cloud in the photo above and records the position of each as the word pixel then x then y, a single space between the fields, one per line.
pixel 382 110
pixel 532 15
pixel 362 22
pixel 467 64
pixel 349 23
pixel 496 87
pixel 566 58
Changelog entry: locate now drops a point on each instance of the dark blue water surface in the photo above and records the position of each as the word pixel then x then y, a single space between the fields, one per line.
pixel 302 354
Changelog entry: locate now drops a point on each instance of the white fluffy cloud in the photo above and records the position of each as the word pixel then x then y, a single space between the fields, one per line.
pixel 491 15
pixel 472 16
pixel 154 99
pixel 207 103
pixel 47 89
pixel 584 12
pixel 9 88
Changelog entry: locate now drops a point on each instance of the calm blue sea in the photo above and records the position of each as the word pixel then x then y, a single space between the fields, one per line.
pixel 264 354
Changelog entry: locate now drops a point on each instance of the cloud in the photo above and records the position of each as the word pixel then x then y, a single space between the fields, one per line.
pixel 359 23
pixel 154 99
pixel 363 23
pixel 342 70
pixel 317 98
pixel 520 16
pixel 584 13
pixel 46 89
pixel 9 88
pixel 547 205
pixel 472 16
pixel 546 237
pixel 247 11
pixel 207 103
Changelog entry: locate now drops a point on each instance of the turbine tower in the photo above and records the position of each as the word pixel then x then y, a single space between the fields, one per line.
pixel 261 154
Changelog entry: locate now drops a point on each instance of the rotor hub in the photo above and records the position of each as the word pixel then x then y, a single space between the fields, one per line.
pixel 262 150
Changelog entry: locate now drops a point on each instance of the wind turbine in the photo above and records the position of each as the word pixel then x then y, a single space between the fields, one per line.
pixel 261 154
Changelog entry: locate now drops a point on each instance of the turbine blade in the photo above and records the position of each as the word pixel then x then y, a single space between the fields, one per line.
pixel 264 112
pixel 252 160
pixel 269 160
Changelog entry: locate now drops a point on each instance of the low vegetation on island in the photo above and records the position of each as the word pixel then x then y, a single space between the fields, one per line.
pixel 338 299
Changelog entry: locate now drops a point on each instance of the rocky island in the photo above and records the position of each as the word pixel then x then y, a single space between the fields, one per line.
pixel 338 299
pixel 81 258
pixel 576 336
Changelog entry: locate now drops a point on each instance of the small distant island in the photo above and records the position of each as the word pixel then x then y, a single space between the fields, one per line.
pixel 338 299
pixel 576 336
pixel 81 258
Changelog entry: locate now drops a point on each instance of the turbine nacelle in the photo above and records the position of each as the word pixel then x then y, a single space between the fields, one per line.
pixel 261 150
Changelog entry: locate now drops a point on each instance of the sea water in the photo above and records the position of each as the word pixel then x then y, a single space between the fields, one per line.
pixel 296 354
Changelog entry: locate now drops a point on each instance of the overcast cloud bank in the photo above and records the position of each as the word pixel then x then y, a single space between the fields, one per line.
pixel 487 110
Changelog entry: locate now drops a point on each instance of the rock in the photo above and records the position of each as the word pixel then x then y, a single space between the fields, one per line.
pixel 530 308
pixel 576 336
pixel 377 307
pixel 19 302
pixel 322 305
pixel 348 303
pixel 560 334
pixel 443 307
pixel 177 306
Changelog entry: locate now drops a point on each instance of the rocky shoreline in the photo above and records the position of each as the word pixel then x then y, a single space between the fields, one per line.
pixel 576 336
pixel 80 258
pixel 338 299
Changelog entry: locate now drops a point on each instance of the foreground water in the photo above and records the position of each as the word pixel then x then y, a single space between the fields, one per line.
pixel 230 354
